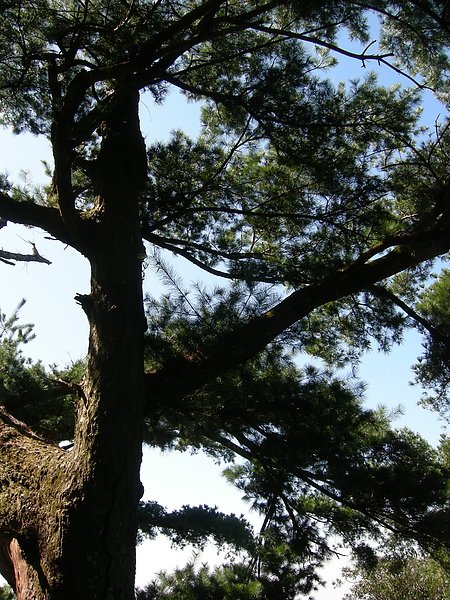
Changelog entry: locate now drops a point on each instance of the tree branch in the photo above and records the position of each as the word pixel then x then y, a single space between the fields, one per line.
pixel 10 257
pixel 7 420
pixel 157 56
pixel 312 479
pixel 383 292
pixel 27 213
pixel 167 245
pixel 363 56
pixel 184 376
pixel 177 242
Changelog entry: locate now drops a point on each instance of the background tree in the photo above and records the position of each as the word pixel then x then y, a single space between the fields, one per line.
pixel 399 573
pixel 196 581
pixel 315 201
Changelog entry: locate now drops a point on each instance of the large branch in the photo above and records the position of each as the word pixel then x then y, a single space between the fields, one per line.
pixel 27 213
pixel 185 375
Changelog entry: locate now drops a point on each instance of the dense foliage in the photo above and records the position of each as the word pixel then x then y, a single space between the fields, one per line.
pixel 433 368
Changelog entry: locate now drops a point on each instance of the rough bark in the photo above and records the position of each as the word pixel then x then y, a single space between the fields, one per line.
pixel 74 516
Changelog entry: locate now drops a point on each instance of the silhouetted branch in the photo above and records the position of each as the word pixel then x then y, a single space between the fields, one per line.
pixel 11 257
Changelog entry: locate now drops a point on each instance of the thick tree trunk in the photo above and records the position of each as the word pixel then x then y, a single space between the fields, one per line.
pixel 79 535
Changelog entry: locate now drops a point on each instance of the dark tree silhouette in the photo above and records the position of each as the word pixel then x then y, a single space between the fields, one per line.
pixel 326 190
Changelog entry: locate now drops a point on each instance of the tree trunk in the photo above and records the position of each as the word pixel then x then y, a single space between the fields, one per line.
pixel 75 527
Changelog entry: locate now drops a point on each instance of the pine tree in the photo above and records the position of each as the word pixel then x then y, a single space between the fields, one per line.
pixel 315 201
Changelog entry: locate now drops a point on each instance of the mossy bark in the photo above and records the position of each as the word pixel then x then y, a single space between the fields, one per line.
pixel 70 517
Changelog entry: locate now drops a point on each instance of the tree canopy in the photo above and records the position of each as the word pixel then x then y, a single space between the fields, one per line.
pixel 319 205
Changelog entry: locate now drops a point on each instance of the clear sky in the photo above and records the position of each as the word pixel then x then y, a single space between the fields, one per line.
pixel 61 330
